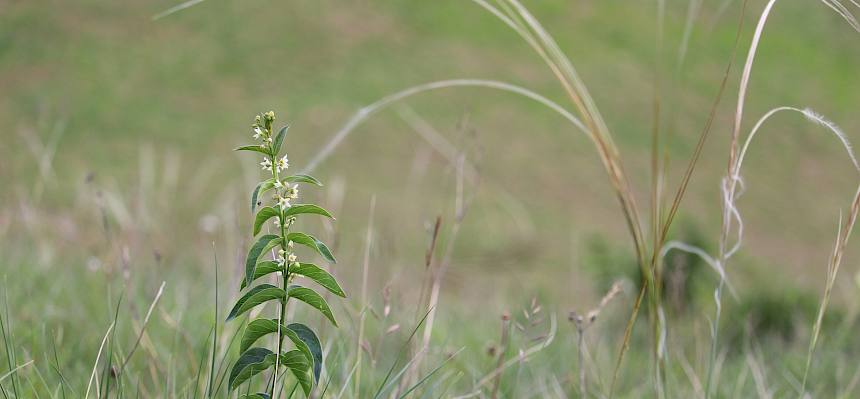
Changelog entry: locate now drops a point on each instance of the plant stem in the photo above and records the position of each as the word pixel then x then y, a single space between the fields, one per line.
pixel 284 273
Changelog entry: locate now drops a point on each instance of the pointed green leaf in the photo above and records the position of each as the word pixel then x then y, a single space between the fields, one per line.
pixel 279 140
pixel 254 253
pixel 296 361
pixel 263 215
pixel 299 209
pixel 306 335
pixel 260 190
pixel 258 395
pixel 310 297
pixel 303 179
pixel 255 330
pixel 261 269
pixel 262 327
pixel 251 362
pixel 299 343
pixel 255 296
pixel 312 242
pixel 319 275
pixel 255 148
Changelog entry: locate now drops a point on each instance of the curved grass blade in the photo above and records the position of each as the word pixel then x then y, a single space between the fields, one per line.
pixel 430 374
pixel 384 385
pixel 176 8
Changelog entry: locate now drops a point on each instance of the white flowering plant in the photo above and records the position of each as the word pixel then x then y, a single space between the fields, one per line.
pixel 304 360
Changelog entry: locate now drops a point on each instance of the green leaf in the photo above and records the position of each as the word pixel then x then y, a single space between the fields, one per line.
pixel 261 269
pixel 263 215
pixel 251 362
pixel 262 327
pixel 254 253
pixel 319 275
pixel 259 190
pixel 296 361
pixel 306 335
pixel 299 343
pixel 310 297
pixel 299 209
pixel 279 140
pixel 258 395
pixel 255 330
pixel 312 242
pixel 255 148
pixel 272 244
pixel 257 295
pixel 303 179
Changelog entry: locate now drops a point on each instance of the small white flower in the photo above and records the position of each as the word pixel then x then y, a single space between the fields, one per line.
pixel 282 202
pixel 282 253
pixel 277 222
pixel 292 192
pixel 258 133
pixel 290 244
pixel 268 139
pixel 292 258
pixel 283 163
pixel 277 184
pixel 266 164
pixel 281 261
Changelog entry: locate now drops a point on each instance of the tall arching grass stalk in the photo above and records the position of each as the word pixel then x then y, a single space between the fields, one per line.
pixel 732 185
pixel 588 120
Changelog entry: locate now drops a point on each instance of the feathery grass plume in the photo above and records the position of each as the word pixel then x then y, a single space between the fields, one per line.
pixel 732 185
pixel 305 361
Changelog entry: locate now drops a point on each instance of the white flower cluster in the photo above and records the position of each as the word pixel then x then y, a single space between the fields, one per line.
pixel 262 130
pixel 286 257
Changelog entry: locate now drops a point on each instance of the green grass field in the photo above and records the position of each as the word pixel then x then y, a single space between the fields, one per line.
pixel 118 174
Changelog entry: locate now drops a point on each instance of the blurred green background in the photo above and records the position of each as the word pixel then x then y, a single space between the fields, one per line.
pixel 108 84
pixel 117 136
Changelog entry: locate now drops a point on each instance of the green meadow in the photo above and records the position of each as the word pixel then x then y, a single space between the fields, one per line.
pixel 471 221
